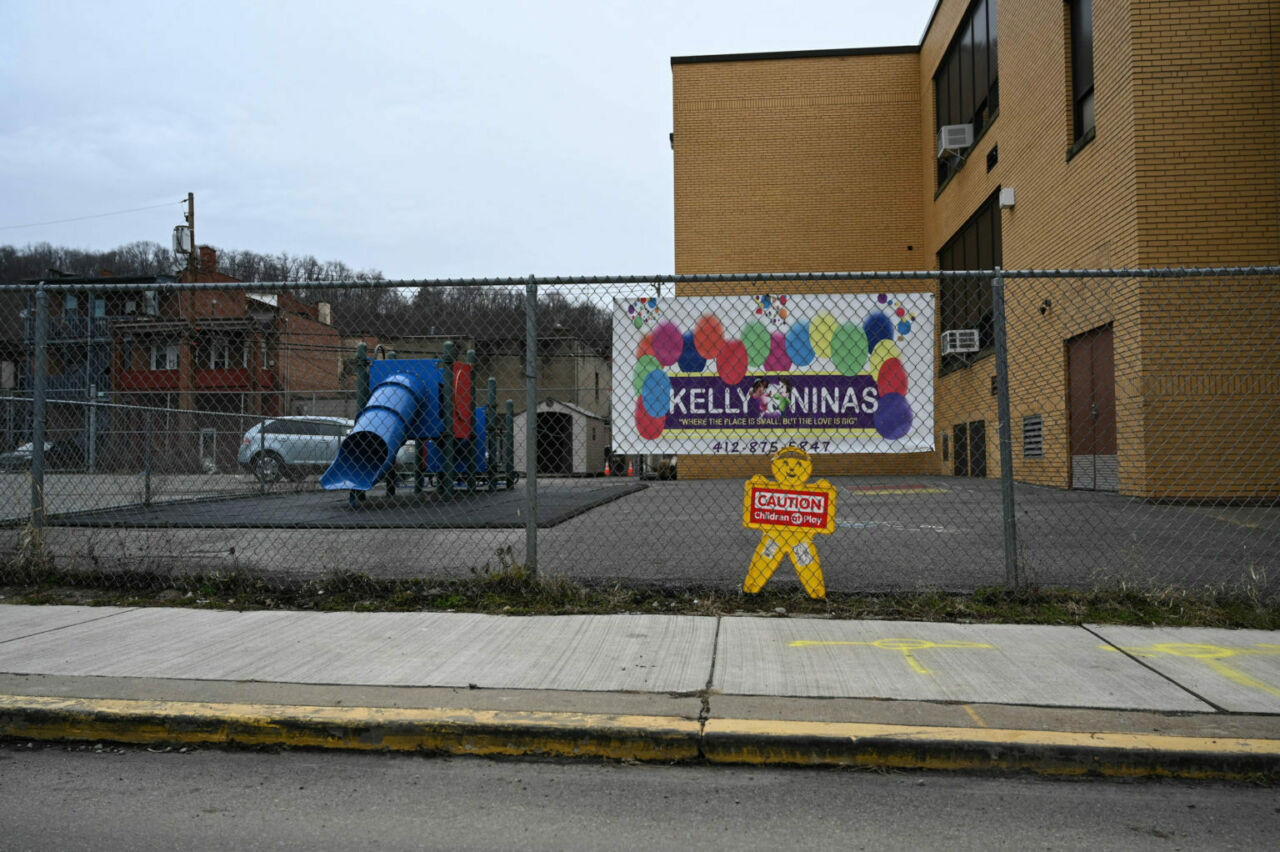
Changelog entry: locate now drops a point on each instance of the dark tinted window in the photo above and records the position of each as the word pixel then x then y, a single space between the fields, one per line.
pixel 1082 66
pixel 965 86
pixel 966 302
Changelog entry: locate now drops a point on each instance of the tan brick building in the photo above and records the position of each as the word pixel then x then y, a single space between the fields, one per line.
pixel 1133 133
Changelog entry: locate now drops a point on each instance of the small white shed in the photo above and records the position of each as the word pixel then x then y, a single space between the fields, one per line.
pixel 571 440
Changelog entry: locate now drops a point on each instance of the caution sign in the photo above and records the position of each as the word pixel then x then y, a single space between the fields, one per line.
pixel 789 511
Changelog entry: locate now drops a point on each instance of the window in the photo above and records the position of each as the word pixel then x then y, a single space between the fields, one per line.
pixel 1081 70
pixel 965 87
pixel 71 304
pixel 164 356
pixel 966 302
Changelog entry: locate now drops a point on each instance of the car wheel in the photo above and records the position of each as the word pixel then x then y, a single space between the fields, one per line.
pixel 268 467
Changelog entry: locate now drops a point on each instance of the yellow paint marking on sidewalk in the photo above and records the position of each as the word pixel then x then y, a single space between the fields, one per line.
pixel 973 714
pixel 906 646
pixel 1212 656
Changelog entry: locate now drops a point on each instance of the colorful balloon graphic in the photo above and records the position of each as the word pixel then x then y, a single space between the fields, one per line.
pixel 892 377
pixel 849 349
pixel 799 346
pixel 756 338
pixel 644 366
pixel 778 358
pixel 668 343
pixel 731 363
pixel 648 427
pixel 878 327
pixel 655 393
pixel 881 352
pixel 645 346
pixel 821 329
pixel 690 361
pixel 893 416
pixel 708 336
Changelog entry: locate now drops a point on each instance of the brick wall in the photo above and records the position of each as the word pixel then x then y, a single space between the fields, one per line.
pixel 796 164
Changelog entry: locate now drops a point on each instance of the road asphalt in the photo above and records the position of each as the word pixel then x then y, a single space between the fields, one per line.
pixel 1076 700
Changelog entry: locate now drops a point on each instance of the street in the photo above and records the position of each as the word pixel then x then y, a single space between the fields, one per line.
pixel 108 797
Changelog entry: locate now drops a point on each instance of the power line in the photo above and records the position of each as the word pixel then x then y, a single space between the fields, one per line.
pixel 94 216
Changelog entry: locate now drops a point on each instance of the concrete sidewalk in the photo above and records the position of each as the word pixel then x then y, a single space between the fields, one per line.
pixel 1094 699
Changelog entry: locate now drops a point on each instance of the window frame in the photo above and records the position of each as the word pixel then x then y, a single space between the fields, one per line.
pixel 170 353
pixel 1081 73
pixel 957 296
pixel 957 103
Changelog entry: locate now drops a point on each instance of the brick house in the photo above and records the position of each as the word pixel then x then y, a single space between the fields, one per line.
pixel 1136 133
pixel 198 368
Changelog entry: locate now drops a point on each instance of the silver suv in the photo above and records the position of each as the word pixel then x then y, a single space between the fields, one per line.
pixel 293 447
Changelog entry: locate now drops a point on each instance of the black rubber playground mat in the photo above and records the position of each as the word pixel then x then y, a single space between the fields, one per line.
pixel 557 503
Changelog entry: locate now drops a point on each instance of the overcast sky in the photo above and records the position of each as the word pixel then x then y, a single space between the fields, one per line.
pixel 427 139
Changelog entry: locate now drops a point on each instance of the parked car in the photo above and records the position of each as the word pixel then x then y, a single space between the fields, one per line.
pixel 58 455
pixel 294 447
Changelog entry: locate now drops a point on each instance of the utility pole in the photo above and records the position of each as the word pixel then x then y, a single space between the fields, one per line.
pixel 193 261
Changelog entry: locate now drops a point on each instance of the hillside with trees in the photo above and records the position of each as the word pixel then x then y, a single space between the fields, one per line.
pixel 465 311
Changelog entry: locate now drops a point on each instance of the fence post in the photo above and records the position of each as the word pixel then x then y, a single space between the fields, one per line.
pixel 38 413
pixel 1010 523
pixel 146 461
pixel 531 423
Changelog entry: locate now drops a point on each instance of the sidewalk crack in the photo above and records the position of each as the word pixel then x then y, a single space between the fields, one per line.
pixel 69 626
pixel 1152 669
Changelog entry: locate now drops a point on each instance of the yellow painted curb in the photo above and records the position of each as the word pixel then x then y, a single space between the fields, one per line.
pixel 481 732
pixel 935 747
pixel 635 737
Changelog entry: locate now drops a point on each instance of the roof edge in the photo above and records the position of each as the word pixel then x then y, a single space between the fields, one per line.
pixel 794 54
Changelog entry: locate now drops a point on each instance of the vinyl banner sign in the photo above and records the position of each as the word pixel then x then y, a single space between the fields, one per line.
pixel 837 373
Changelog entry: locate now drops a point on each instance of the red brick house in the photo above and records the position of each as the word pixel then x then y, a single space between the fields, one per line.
pixel 198 368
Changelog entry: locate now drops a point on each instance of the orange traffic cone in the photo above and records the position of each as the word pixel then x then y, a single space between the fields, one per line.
pixel 608 469
pixel 631 469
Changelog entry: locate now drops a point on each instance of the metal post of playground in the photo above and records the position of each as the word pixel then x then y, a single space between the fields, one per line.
pixel 446 421
pixel 531 423
pixel 490 429
pixel 471 419
pixel 362 376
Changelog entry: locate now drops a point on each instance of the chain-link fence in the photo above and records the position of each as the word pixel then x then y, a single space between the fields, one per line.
pixel 1085 429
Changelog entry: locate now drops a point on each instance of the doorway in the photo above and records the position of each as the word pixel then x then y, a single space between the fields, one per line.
pixel 1091 409
pixel 555 442
pixel 969 445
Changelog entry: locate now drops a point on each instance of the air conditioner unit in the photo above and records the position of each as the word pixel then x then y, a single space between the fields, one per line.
pixel 955 138
pixel 960 340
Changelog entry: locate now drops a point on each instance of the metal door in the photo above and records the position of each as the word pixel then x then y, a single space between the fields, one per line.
pixel 969 443
pixel 1091 410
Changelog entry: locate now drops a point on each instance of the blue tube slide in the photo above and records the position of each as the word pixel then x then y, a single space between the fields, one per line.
pixel 369 451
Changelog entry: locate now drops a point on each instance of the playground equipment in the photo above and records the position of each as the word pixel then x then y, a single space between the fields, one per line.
pixel 459 446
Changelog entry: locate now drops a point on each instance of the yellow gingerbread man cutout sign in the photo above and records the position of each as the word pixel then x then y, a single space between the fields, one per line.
pixel 789 512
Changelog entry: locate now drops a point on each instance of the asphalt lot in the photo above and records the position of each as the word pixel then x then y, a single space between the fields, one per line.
pixel 891 533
